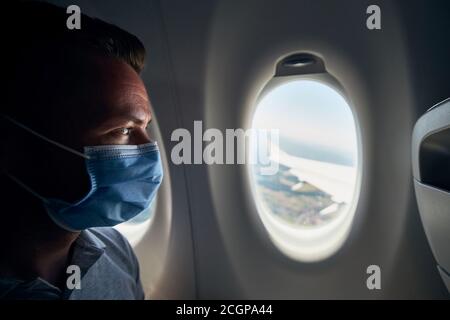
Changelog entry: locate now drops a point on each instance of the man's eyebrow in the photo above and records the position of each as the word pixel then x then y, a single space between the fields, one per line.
pixel 137 120
pixel 120 118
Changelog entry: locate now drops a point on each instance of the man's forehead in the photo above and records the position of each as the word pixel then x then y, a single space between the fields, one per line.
pixel 119 91
pixel 129 112
pixel 117 74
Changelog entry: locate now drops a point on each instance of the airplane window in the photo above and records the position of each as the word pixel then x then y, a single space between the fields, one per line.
pixel 135 228
pixel 308 204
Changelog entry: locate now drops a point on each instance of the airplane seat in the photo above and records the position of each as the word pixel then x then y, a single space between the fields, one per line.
pixel 431 170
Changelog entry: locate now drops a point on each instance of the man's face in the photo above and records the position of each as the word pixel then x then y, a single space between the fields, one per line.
pixel 117 104
pixel 105 103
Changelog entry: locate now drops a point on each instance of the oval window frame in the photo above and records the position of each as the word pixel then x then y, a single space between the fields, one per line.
pixel 318 243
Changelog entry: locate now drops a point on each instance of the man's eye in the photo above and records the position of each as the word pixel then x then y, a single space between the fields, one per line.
pixel 124 131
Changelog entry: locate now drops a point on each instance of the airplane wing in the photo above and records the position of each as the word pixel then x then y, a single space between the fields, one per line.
pixel 333 179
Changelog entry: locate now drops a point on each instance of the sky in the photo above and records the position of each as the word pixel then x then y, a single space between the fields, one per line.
pixel 311 113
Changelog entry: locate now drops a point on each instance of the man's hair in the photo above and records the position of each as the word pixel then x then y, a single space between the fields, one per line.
pixel 42 26
pixel 45 61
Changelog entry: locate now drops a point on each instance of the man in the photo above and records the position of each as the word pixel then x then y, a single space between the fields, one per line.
pixel 76 158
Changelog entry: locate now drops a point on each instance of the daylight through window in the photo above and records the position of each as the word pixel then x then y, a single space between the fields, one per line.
pixel 308 205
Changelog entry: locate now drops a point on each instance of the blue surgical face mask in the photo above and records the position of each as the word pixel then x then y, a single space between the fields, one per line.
pixel 124 180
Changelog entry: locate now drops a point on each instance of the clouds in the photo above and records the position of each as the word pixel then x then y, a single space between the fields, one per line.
pixel 309 112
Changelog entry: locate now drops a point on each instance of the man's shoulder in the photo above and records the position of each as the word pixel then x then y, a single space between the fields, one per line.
pixel 115 245
pixel 115 273
pixel 108 236
pixel 111 240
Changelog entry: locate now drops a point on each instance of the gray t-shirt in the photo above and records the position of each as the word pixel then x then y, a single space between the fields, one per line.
pixel 109 270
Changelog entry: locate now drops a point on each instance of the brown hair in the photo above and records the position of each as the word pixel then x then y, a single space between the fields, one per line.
pixel 39 26
pixel 44 58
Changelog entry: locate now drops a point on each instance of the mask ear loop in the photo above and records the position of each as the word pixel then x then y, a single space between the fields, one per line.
pixel 45 138
pixel 23 185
